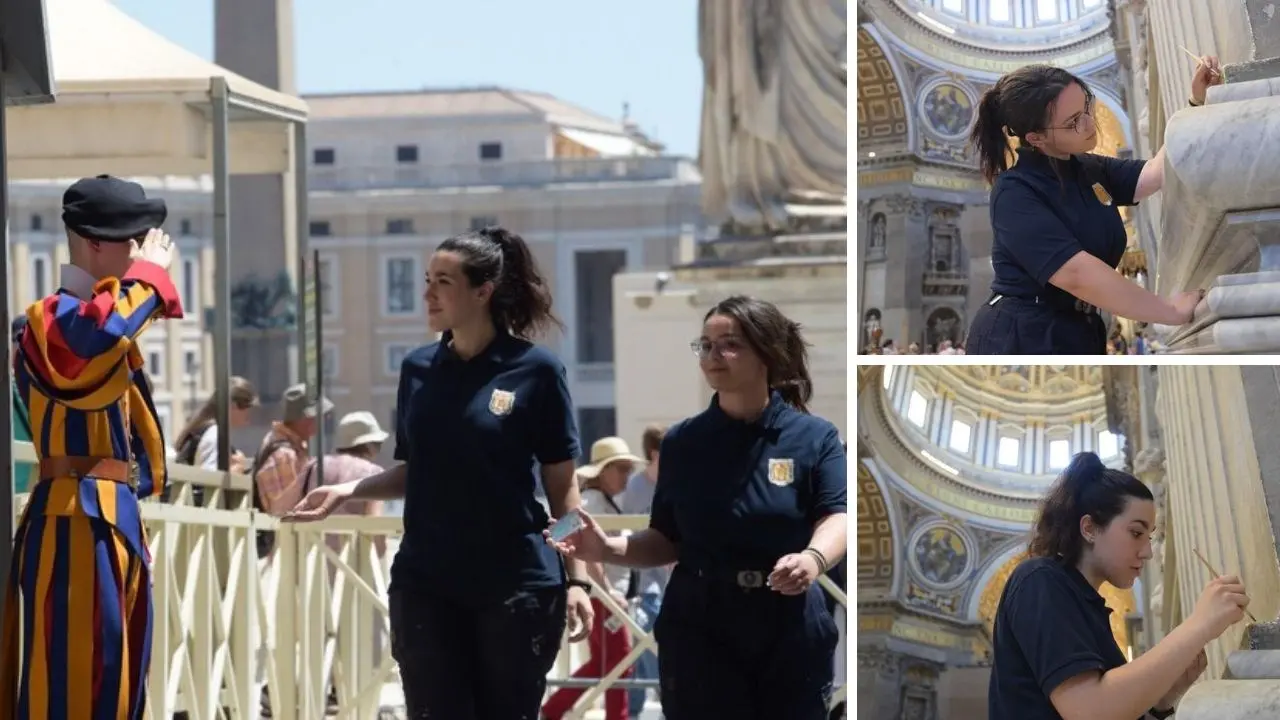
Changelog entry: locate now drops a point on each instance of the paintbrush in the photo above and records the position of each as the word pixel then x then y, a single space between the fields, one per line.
pixel 1216 575
pixel 1200 61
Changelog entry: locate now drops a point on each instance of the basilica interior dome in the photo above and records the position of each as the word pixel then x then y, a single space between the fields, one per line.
pixel 1011 25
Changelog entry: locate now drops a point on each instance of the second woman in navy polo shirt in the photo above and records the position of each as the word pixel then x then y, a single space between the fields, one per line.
pixel 750 504
pixel 478 600
pixel 1054 655
pixel 1057 231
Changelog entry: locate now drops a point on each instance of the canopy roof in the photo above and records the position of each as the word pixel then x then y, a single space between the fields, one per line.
pixel 130 102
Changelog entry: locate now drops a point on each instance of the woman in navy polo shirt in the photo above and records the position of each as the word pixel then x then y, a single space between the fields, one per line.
pixel 750 504
pixel 1054 655
pixel 478 600
pixel 1057 231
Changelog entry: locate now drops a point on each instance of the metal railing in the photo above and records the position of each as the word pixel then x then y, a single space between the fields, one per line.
pixel 311 617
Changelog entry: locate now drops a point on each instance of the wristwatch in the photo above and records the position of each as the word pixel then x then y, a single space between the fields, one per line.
pixel 1161 714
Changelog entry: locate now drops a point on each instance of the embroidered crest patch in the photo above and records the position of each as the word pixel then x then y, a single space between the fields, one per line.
pixel 782 471
pixel 501 402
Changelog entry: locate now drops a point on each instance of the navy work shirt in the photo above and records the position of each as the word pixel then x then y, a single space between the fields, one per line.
pixel 470 432
pixel 1051 626
pixel 737 495
pixel 1044 211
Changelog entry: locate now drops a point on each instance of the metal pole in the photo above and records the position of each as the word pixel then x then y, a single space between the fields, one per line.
pixel 319 309
pixel 222 276
pixel 303 234
pixel 6 406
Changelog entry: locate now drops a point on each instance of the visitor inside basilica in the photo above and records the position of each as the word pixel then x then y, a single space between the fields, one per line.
pixel 956 466
pixel 925 219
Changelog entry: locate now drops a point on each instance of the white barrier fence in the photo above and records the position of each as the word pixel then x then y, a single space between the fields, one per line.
pixel 309 623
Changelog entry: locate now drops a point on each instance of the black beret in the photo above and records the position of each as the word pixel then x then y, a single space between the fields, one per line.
pixel 110 209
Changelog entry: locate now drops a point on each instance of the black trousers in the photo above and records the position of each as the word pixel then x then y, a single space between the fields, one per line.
pixel 1015 326
pixel 468 661
pixel 726 652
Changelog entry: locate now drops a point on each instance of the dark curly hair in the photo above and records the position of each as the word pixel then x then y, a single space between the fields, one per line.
pixel 1086 487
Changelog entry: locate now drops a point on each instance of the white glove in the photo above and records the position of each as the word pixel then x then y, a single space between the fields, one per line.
pixel 155 248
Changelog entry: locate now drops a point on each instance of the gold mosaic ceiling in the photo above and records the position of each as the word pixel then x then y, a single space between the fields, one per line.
pixel 875 538
pixel 882 114
pixel 1023 383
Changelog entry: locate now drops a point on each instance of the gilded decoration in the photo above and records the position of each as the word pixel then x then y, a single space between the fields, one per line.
pixel 882 114
pixel 875 534
pixel 940 556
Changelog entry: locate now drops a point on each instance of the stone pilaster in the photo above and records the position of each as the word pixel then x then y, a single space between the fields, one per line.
pixel 906 254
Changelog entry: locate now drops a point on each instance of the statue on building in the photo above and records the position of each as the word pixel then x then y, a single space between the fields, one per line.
pixel 774 109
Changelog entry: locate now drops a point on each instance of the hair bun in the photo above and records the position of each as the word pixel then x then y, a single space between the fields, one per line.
pixel 1086 462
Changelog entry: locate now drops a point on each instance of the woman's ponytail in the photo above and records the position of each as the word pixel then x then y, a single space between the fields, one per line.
pixel 989 137
pixel 521 301
pixel 1086 487
pixel 796 387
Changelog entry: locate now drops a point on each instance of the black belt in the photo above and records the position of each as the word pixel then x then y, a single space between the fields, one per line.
pixel 1077 305
pixel 745 579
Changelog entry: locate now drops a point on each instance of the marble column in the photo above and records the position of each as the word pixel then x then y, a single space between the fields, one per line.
pixel 906 251
pixel 863 227
pixel 1217 496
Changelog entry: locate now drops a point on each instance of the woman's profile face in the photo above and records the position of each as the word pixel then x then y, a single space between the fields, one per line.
pixel 1124 545
pixel 726 359
pixel 1071 129
pixel 450 299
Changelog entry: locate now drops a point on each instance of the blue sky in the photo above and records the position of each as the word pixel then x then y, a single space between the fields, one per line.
pixel 591 53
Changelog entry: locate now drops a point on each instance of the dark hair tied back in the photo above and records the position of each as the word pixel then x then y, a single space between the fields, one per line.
pixel 1020 103
pixel 521 301
pixel 1086 487
pixel 777 341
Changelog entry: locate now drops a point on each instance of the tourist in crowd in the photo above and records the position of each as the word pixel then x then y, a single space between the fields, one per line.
pixel 603 481
pixel 750 504
pixel 647 585
pixel 197 443
pixel 1054 654
pixel 478 600
pixel 1058 232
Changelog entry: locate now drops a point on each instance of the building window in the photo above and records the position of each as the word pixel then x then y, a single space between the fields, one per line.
pixel 190 365
pixel 481 222
pixel 889 372
pixel 326 292
pixel 1000 12
pixel 1046 10
pixel 961 435
pixel 162 419
pixel 954 6
pixel 1059 454
pixel 596 423
pixel 400 226
pixel 1009 452
pixel 41 276
pixel 1108 444
pixel 917 409
pixel 319 228
pixel 190 286
pixel 395 356
pixel 155 365
pixel 491 151
pixel 324 156
pixel 401 286
pixel 407 154
pixel 593 277
pixel 330 361
pixel 37 222
pixel 184 227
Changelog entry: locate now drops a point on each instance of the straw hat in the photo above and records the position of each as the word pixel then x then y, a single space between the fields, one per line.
pixel 358 428
pixel 604 451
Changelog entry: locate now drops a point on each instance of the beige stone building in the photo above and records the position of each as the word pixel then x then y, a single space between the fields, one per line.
pixel 394 174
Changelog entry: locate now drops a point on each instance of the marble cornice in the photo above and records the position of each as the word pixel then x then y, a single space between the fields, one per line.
pixel 916 40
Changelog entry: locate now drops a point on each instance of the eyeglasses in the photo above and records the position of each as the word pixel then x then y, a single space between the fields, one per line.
pixel 729 348
pixel 1076 126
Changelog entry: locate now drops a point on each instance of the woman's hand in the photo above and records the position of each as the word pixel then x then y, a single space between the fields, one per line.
pixel 319 503
pixel 239 463
pixel 579 613
pixel 1220 606
pixel 1208 72
pixel 1184 683
pixel 588 543
pixel 1184 304
pixel 794 573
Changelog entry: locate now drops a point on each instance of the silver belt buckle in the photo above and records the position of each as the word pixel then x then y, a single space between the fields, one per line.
pixel 995 299
pixel 750 579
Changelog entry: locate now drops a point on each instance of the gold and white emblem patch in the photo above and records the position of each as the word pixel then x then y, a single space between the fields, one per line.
pixel 782 471
pixel 501 402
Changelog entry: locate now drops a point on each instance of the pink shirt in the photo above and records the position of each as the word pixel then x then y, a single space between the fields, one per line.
pixel 338 469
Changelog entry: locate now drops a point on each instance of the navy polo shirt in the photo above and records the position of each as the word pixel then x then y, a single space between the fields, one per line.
pixel 739 495
pixel 1044 211
pixel 1051 626
pixel 470 432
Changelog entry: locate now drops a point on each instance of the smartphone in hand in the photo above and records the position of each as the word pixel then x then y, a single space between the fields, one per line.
pixel 566 526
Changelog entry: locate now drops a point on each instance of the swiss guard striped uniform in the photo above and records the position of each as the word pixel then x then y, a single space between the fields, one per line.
pixel 76 640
